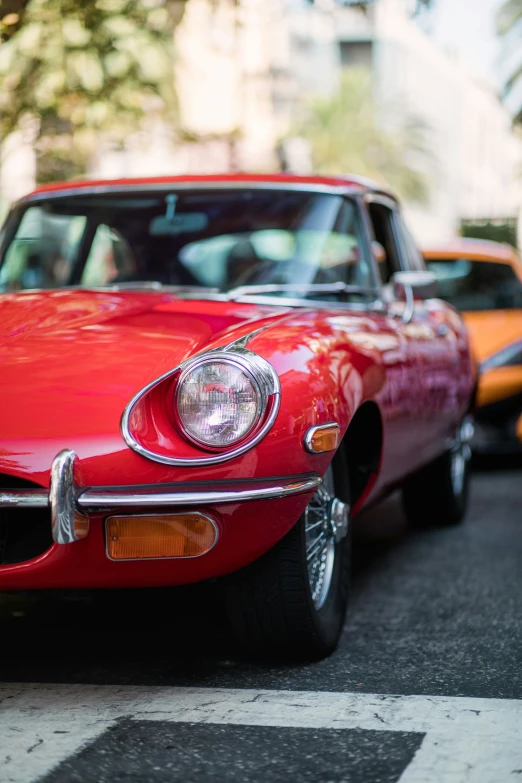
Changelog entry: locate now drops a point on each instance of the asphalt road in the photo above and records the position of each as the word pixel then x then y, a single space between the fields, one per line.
pixel 435 616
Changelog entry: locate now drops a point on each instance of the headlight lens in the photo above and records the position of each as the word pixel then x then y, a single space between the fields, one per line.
pixel 218 402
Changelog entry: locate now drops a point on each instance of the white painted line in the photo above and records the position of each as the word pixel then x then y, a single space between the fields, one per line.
pixel 467 740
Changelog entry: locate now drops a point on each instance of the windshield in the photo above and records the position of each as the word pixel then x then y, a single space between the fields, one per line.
pixel 477 285
pixel 222 239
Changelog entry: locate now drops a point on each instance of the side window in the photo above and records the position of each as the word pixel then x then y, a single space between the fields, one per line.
pixel 345 256
pixel 43 251
pixel 382 220
pixel 412 254
pixel 110 259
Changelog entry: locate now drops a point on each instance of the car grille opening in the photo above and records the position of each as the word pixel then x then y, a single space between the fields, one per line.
pixel 25 533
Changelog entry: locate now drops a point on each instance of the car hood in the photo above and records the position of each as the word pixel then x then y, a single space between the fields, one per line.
pixel 71 360
pixel 492 330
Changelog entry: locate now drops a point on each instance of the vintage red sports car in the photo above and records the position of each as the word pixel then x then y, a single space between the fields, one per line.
pixel 207 377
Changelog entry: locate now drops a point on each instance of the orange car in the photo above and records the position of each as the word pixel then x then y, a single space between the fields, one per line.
pixel 484 280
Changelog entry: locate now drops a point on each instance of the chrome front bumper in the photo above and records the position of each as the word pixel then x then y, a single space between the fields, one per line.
pixel 70 504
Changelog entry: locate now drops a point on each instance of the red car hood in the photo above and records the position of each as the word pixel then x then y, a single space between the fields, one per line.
pixel 71 360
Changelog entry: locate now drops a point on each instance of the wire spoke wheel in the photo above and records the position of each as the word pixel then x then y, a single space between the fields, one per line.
pixel 437 495
pixel 320 541
pixel 460 455
pixel 458 469
pixel 292 601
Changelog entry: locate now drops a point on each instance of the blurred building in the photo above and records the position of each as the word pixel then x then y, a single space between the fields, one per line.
pixel 243 68
pixel 234 79
pixel 477 166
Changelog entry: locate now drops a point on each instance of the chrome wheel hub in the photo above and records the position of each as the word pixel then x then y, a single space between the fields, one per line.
pixel 326 523
pixel 458 470
pixel 461 454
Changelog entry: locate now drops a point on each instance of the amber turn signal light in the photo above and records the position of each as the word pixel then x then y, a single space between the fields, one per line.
pixel 324 437
pixel 160 535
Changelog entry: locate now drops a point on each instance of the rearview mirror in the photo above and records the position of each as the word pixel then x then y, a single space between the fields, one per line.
pixel 422 284
pixel 188 222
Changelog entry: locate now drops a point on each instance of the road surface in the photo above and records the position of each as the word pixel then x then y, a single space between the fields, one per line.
pixel 426 684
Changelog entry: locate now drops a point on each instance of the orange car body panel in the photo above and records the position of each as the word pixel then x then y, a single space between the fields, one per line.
pixel 490 330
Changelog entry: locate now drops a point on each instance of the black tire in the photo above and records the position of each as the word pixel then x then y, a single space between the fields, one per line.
pixel 270 605
pixel 437 496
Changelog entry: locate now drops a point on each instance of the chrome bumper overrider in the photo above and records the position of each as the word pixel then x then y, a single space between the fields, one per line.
pixel 69 503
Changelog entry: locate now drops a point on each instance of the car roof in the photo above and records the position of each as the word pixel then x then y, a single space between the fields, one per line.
pixel 323 183
pixel 475 249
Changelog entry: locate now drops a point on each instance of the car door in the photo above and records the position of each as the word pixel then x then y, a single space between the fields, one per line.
pixel 434 332
pixel 401 398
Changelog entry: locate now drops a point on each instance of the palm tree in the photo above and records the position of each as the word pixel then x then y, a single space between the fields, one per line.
pixel 509 23
pixel 346 134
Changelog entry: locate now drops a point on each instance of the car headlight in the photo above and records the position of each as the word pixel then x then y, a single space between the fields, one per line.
pixel 221 400
pixel 510 356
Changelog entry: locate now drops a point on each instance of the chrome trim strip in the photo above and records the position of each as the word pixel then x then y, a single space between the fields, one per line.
pixel 93 499
pixel 350 188
pixel 502 357
pixel 266 300
pixel 134 559
pixel 96 498
pixel 242 342
pixel 310 304
pixel 267 375
pixel 311 432
pixel 62 499
pixel 24 498
pixel 310 288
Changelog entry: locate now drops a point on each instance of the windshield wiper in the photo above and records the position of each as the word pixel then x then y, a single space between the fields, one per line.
pixel 243 290
pixel 318 288
pixel 155 285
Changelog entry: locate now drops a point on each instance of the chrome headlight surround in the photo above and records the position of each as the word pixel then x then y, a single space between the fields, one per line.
pixel 256 370
pixel 270 387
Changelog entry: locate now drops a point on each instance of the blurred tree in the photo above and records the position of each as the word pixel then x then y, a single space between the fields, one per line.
pixel 73 71
pixel 11 14
pixel 346 134
pixel 509 24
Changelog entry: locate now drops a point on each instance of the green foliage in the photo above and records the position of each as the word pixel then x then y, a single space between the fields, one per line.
pixel 11 15
pixel 509 26
pixel 346 134
pixel 85 68
pixel 497 230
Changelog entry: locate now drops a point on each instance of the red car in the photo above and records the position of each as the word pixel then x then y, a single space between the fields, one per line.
pixel 207 377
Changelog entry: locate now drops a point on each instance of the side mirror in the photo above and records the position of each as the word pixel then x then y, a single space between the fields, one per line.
pixel 422 284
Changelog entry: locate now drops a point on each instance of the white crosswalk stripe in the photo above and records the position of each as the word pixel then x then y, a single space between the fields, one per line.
pixel 467 740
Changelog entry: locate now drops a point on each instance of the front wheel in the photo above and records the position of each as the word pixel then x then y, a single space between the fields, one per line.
pixel 292 601
pixel 437 496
